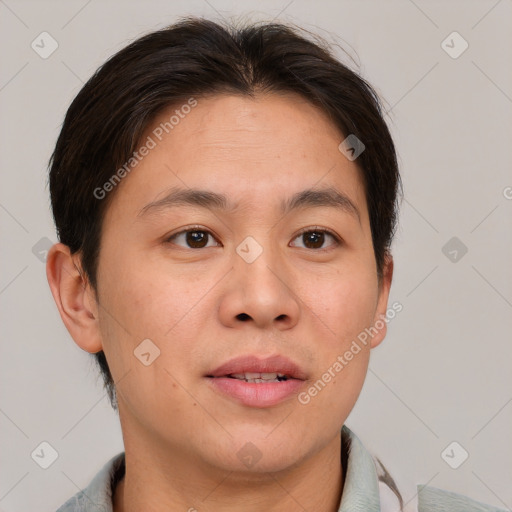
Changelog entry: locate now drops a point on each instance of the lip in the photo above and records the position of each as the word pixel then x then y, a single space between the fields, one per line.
pixel 257 394
pixel 251 363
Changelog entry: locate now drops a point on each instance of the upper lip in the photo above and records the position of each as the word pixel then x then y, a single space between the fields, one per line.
pixel 255 364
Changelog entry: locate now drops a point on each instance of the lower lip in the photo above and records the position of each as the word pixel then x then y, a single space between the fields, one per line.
pixel 257 394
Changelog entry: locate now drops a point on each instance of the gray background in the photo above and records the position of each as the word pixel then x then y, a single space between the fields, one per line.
pixel 443 373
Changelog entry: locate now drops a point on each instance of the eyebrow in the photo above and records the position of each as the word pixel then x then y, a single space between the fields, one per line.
pixel 309 198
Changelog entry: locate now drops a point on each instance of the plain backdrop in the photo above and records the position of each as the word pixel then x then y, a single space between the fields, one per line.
pixel 443 374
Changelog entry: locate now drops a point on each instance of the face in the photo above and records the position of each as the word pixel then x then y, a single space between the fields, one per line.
pixel 254 270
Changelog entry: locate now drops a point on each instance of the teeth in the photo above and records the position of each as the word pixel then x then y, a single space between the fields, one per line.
pixel 259 377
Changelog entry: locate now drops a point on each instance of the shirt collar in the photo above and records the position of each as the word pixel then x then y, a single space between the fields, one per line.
pixel 361 485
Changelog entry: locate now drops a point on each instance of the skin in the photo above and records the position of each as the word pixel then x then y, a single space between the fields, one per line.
pixel 304 301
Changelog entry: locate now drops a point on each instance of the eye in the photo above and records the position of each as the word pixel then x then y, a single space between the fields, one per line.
pixel 193 238
pixel 315 238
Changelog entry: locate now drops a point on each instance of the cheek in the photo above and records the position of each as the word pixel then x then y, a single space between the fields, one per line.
pixel 148 299
pixel 145 302
pixel 343 302
pixel 342 305
pixel 149 335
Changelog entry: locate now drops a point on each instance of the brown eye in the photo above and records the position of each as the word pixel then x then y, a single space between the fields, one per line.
pixel 192 239
pixel 196 239
pixel 315 239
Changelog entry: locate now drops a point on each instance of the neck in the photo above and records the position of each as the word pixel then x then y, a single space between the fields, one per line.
pixel 171 481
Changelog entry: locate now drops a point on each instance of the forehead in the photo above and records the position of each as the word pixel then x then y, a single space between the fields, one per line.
pixel 250 149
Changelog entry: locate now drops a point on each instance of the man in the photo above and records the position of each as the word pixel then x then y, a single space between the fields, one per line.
pixel 225 201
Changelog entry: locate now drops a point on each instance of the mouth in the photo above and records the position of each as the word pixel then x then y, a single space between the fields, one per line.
pixel 259 378
pixel 256 382
pixel 255 368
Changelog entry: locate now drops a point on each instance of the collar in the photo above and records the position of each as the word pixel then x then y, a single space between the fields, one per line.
pixel 361 486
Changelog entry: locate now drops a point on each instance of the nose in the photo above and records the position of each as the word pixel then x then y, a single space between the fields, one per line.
pixel 260 293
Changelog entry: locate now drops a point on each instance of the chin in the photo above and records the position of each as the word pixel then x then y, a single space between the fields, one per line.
pixel 254 452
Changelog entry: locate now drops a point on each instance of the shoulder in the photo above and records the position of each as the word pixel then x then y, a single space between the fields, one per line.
pixel 97 496
pixel 392 496
pixel 431 499
pixel 426 498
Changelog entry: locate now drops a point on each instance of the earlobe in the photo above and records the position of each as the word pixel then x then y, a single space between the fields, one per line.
pixel 74 297
pixel 379 321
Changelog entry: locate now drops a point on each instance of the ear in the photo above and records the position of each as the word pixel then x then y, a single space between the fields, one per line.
pixel 379 321
pixel 74 297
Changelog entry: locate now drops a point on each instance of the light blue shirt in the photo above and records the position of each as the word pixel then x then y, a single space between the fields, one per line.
pixel 363 489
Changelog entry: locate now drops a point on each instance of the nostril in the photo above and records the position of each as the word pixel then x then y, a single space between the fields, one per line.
pixel 243 317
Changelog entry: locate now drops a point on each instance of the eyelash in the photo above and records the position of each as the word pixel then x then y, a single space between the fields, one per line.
pixel 312 229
